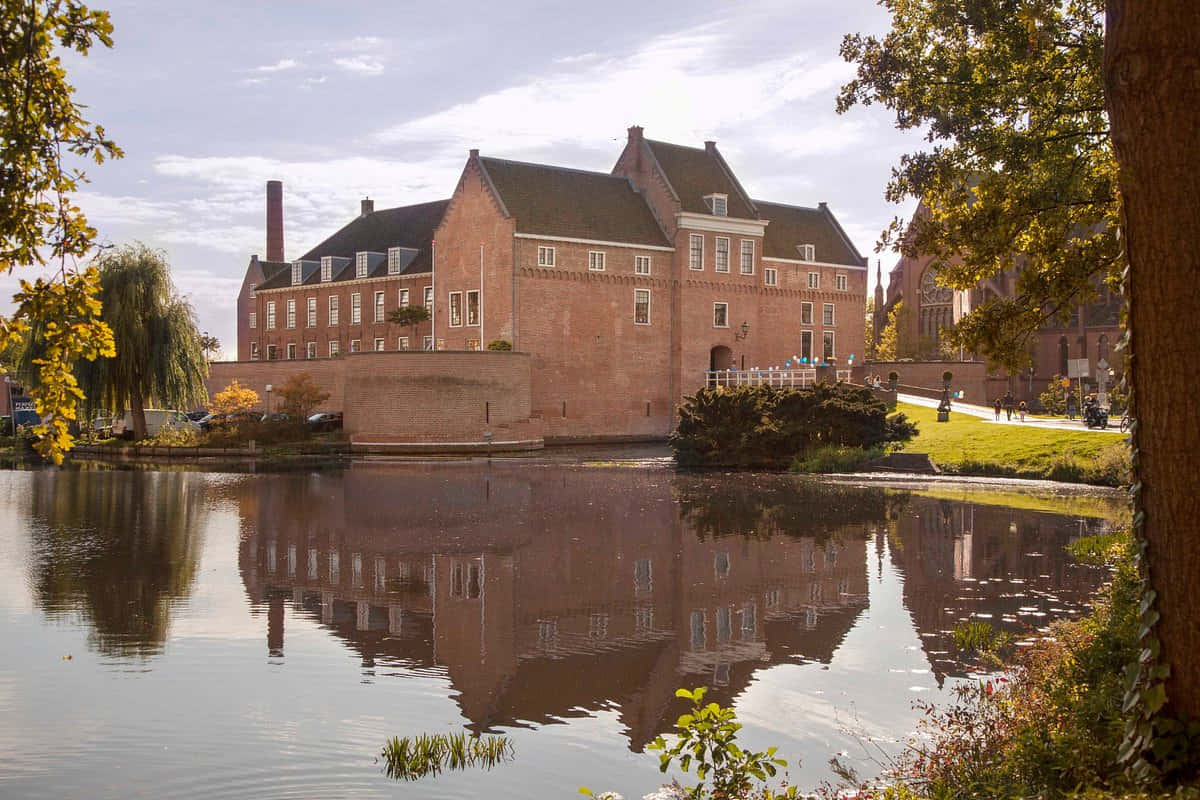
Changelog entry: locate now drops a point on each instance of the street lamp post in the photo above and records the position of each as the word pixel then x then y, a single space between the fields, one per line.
pixel 268 398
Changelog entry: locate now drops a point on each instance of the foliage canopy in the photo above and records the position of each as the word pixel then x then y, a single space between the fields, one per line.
pixel 1019 175
pixel 233 399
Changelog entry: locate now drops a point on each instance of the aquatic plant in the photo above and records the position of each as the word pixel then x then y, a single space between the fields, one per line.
pixel 410 758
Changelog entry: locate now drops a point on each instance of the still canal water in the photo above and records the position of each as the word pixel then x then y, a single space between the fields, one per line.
pixel 188 635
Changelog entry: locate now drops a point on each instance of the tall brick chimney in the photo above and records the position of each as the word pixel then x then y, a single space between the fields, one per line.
pixel 710 146
pixel 635 133
pixel 274 220
pixel 367 206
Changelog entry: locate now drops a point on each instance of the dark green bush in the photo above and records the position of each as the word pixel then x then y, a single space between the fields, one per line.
pixel 763 426
pixel 499 344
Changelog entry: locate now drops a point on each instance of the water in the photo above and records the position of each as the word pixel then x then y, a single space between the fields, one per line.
pixel 188 635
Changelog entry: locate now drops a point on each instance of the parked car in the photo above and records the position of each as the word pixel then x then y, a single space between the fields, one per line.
pixel 102 426
pixel 196 416
pixel 326 421
pixel 275 416
pixel 156 420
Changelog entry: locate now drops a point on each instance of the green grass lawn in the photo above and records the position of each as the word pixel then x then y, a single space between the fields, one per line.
pixel 970 446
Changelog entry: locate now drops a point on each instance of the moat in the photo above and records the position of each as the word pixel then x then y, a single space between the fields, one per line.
pixel 190 634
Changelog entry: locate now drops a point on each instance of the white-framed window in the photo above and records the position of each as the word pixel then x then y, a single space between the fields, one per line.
pixel 297 273
pixel 641 306
pixel 355 345
pixel 747 261
pixel 402 297
pixel 427 343
pixel 378 345
pixel 806 314
pixel 472 344
pixel 271 315
pixel 326 269
pixel 254 351
pixel 770 276
pixel 807 252
pixel 334 348
pixel 360 265
pixel 839 281
pixel 429 299
pixel 402 343
pixel 473 307
pixel 641 265
pixel 720 315
pixel 545 256
pixel 814 280
pixel 455 310
pixel 272 352
pixel 379 306
pixel 827 314
pixel 311 321
pixel 253 319
pixel 806 346
pixel 291 351
pixel 695 252
pixel 393 261
pixel 291 312
pixel 310 350
pixel 253 286
pixel 827 345
pixel 719 204
pixel 722 254
pixel 596 260
pixel 333 310
pixel 355 308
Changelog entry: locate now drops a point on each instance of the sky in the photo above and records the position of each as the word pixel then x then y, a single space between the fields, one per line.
pixel 342 101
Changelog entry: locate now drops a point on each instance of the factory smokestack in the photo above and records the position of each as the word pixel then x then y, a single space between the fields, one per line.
pixel 274 220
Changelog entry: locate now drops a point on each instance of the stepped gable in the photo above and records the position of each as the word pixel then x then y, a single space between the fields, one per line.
pixel 695 172
pixel 572 203
pixel 791 226
pixel 406 226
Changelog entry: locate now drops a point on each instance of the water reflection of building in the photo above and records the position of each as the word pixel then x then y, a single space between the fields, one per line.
pixel 544 592
pixel 1008 567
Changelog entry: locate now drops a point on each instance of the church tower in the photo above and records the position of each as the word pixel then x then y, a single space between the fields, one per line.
pixel 878 320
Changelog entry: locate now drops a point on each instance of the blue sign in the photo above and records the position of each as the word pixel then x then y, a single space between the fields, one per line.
pixel 25 412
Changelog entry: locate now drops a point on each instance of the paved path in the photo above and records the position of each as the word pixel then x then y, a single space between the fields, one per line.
pixel 988 415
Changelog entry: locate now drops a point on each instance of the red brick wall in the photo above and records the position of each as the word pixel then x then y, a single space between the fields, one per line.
pixel 971 377
pixel 473 219
pixel 596 372
pixel 437 397
pixel 637 164
pixel 325 372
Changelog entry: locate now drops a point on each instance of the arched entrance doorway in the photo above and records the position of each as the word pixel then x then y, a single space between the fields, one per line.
pixel 721 357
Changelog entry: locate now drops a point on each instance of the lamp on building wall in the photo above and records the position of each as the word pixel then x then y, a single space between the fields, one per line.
pixel 743 333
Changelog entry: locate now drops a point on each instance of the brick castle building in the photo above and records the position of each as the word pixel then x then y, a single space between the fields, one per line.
pixel 624 288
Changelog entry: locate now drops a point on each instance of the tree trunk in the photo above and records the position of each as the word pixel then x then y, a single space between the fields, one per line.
pixel 1152 79
pixel 137 410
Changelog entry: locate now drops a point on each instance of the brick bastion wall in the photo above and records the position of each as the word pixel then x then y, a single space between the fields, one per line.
pixel 409 397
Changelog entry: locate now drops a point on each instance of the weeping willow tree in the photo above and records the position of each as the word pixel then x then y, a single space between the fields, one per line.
pixel 160 357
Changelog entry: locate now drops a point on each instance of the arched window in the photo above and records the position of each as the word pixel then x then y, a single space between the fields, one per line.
pixel 1063 355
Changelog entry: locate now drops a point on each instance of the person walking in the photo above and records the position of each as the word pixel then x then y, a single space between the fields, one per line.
pixel 1071 406
pixel 1021 409
pixel 1010 403
pixel 998 405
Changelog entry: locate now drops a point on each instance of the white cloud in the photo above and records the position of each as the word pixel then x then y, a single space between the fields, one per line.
pixel 363 65
pixel 308 83
pixel 279 66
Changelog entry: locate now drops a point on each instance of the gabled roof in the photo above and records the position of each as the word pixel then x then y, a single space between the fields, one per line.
pixel 695 172
pixel 791 226
pixel 406 226
pixel 557 201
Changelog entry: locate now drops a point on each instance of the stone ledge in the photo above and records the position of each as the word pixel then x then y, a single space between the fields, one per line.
pixel 446 448
pixel 914 463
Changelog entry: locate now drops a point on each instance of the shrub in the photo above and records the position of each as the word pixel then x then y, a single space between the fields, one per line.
pixel 233 399
pixel 762 426
pixel 499 344
pixel 1052 399
pixel 300 396
pixel 834 458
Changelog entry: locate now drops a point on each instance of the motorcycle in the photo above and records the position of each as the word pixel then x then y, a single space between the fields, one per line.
pixel 1095 417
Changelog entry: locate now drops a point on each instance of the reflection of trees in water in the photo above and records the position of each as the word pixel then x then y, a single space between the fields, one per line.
pixel 118 548
pixel 763 506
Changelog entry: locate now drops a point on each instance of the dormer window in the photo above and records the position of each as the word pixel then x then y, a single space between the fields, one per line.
pixel 807 252
pixel 326 269
pixel 718 204
pixel 297 273
pixel 360 265
pixel 393 261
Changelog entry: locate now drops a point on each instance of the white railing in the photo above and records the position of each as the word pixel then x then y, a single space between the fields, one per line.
pixel 782 378
pixel 792 378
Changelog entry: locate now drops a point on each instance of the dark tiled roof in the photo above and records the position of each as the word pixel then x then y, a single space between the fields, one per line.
pixel 406 226
pixel 793 225
pixel 556 201
pixel 695 172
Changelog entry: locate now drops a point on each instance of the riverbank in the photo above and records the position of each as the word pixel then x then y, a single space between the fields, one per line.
pixel 967 445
